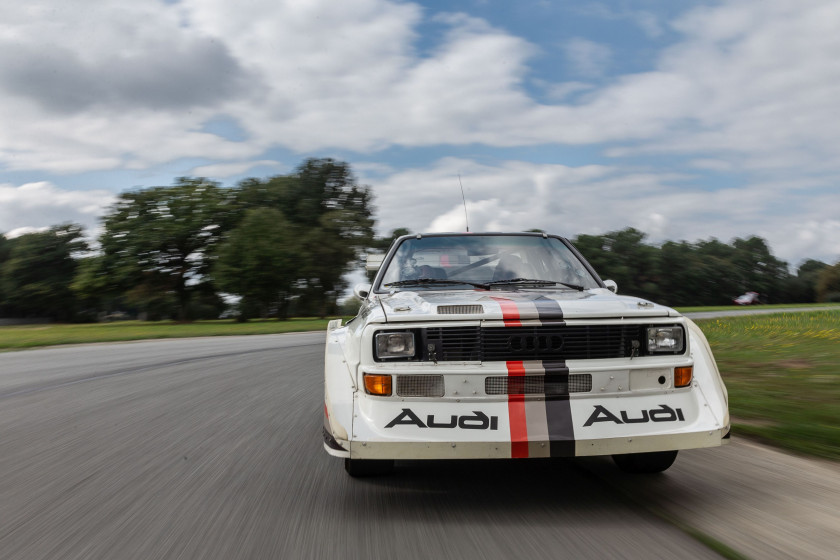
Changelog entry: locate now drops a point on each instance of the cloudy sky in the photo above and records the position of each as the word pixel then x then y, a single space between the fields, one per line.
pixel 687 120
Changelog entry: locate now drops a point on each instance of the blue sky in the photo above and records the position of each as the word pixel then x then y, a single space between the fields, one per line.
pixel 686 120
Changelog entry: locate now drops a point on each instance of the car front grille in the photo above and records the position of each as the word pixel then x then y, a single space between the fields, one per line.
pixel 548 342
pixel 538 384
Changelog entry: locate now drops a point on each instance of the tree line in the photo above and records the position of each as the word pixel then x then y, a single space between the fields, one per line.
pixel 281 247
pixel 679 273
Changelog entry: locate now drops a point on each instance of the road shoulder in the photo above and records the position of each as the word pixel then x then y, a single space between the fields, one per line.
pixel 756 500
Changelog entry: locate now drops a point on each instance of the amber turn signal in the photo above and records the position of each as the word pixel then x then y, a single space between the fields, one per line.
pixel 682 376
pixel 378 384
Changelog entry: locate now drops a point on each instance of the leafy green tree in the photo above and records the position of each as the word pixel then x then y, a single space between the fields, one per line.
pixel 162 238
pixel 760 270
pixel 92 287
pixel 38 271
pixel 681 279
pixel 337 214
pixel 351 306
pixel 5 249
pixel 258 261
pixel 622 256
pixel 828 284
pixel 717 279
pixel 332 215
pixel 802 288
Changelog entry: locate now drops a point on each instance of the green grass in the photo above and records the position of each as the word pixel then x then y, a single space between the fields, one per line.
pixel 783 376
pixel 734 307
pixel 28 336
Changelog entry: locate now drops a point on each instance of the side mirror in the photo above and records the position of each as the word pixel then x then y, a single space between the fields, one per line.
pixel 361 291
pixel 611 286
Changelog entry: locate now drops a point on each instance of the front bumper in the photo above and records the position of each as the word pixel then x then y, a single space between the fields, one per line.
pixel 615 421
pixel 503 449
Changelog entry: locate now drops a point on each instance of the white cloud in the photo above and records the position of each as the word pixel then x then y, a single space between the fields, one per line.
pixel 756 78
pixel 225 170
pixel 515 196
pixel 749 88
pixel 17 232
pixel 35 206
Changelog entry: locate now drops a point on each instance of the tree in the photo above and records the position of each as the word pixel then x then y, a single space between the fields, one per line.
pixel 38 271
pixel 332 216
pixel 622 256
pixel 761 271
pixel 5 249
pixel 258 261
pixel 802 288
pixel 718 278
pixel 351 306
pixel 338 215
pixel 92 287
pixel 828 284
pixel 161 238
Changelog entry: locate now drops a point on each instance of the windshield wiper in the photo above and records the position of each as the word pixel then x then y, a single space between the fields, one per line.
pixel 532 282
pixel 435 281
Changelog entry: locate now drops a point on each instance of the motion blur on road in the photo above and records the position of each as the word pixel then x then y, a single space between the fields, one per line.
pixel 211 448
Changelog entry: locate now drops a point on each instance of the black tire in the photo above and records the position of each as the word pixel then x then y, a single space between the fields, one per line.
pixel 645 463
pixel 368 467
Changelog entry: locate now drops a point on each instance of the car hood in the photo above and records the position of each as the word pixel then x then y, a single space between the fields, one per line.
pixel 519 304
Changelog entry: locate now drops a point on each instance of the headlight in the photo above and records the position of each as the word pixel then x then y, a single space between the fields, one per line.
pixel 665 339
pixel 395 345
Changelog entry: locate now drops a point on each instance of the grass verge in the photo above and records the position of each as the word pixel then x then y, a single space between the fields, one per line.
pixel 783 377
pixel 28 336
pixel 740 307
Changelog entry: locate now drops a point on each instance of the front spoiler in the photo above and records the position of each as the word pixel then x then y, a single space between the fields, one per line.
pixel 536 449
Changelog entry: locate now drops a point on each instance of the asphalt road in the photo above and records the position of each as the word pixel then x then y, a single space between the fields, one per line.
pixel 211 448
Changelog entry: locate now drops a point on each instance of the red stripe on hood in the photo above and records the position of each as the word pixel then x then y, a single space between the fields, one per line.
pixel 516 415
pixel 510 312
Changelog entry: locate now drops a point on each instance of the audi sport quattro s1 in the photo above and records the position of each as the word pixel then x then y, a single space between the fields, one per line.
pixel 498 345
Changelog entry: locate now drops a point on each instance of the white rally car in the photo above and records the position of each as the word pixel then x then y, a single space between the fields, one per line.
pixel 510 346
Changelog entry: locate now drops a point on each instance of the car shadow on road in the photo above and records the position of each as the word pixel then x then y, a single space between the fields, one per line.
pixel 487 486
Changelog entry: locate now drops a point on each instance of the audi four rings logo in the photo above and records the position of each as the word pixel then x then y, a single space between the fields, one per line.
pixel 535 343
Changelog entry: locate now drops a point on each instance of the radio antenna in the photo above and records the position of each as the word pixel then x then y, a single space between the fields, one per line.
pixel 466 218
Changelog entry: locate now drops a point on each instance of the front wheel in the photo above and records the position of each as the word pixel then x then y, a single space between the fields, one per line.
pixel 645 463
pixel 368 467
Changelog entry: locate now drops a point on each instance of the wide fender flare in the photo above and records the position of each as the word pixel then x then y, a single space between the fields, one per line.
pixel 706 372
pixel 339 386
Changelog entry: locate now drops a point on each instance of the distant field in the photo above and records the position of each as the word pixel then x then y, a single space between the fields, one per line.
pixel 29 336
pixel 736 307
pixel 783 376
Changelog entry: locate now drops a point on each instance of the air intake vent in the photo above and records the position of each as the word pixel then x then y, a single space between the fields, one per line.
pixel 420 385
pixel 460 309
pixel 547 342
pixel 538 385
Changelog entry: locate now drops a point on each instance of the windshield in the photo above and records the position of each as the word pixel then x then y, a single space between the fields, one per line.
pixel 484 261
